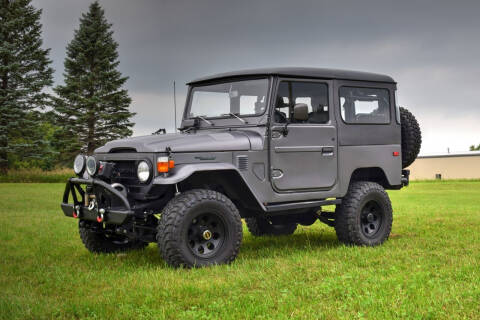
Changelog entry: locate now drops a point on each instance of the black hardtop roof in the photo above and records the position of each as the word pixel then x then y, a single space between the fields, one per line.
pixel 322 73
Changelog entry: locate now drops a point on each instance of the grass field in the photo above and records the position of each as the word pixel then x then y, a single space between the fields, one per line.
pixel 429 269
pixel 37 175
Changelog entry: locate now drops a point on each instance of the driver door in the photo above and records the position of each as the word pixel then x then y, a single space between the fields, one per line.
pixel 303 152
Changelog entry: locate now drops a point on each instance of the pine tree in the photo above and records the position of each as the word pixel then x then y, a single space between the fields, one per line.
pixel 92 105
pixel 43 154
pixel 24 73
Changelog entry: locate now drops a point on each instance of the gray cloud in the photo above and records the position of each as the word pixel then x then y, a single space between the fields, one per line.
pixel 431 48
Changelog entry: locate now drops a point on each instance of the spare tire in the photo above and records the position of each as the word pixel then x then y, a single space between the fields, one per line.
pixel 411 137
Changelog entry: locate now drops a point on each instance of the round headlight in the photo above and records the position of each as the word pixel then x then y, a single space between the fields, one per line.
pixel 92 165
pixel 79 164
pixel 143 171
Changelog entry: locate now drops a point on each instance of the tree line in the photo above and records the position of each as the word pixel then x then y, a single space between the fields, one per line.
pixel 44 126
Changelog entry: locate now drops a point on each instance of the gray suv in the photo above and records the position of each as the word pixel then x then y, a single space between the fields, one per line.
pixel 272 146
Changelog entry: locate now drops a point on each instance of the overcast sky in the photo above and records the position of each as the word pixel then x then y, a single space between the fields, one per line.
pixel 431 48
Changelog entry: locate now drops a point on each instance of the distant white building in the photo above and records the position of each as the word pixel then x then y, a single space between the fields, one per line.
pixel 465 165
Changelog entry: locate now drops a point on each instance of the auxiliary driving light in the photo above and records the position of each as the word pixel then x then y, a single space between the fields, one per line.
pixel 92 165
pixel 79 164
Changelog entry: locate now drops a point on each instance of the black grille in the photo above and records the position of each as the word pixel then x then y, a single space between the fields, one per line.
pixel 125 172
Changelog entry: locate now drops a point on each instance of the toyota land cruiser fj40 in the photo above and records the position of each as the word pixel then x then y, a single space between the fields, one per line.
pixel 272 146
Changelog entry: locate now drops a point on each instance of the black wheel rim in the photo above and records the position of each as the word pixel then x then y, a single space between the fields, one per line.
pixel 206 234
pixel 371 219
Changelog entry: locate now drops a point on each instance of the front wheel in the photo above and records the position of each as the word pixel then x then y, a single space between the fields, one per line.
pixel 365 215
pixel 199 228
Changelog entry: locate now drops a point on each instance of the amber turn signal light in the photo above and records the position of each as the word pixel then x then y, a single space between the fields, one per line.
pixel 164 164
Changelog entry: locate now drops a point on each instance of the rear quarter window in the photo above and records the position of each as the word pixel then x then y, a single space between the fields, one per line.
pixel 364 105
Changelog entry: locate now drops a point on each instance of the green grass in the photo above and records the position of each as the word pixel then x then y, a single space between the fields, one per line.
pixel 37 175
pixel 429 269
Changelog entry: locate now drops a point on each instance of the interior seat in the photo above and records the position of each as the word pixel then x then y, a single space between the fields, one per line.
pixel 318 116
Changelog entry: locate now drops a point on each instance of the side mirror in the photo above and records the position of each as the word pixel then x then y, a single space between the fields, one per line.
pixel 300 112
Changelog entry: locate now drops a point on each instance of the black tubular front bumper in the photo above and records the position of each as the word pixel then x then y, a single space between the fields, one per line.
pixel 79 210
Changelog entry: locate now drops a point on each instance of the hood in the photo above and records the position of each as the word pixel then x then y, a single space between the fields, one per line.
pixel 185 142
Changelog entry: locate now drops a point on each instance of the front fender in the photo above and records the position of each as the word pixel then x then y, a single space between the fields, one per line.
pixel 184 171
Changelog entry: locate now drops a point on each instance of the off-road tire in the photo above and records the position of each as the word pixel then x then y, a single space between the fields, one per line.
pixel 411 137
pixel 176 218
pixel 348 215
pixel 258 227
pixel 97 242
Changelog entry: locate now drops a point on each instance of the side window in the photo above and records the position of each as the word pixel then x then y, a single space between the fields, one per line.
pixel 313 94
pixel 364 105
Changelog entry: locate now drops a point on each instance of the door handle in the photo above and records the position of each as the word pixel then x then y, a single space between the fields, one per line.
pixel 276 134
pixel 327 151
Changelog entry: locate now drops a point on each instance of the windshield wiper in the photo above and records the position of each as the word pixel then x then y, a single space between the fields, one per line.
pixel 234 115
pixel 206 121
pixel 194 123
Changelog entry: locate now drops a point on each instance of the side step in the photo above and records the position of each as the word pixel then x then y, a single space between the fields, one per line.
pixel 300 205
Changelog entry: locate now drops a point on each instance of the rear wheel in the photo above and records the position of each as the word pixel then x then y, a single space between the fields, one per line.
pixel 97 241
pixel 259 226
pixel 199 228
pixel 365 215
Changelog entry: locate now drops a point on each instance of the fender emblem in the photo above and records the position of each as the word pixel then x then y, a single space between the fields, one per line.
pixel 205 157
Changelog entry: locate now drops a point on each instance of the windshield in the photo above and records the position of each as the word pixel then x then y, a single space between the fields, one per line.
pixel 241 98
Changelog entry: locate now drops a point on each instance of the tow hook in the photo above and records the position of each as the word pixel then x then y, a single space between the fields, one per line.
pixel 76 212
pixel 93 206
pixel 100 216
